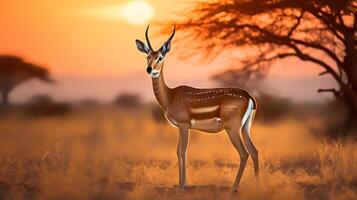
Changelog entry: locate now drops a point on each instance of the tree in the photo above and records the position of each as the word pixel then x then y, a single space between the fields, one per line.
pixel 14 71
pixel 322 32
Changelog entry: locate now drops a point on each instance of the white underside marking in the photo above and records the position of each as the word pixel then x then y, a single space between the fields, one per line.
pixel 193 122
pixel 204 121
pixel 204 109
pixel 249 110
pixel 250 123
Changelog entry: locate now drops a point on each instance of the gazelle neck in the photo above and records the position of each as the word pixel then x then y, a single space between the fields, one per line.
pixel 161 91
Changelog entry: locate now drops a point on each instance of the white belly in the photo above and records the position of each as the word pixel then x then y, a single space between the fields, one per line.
pixel 207 125
pixel 213 125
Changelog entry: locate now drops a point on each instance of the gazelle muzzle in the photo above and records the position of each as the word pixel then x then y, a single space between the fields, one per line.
pixel 153 73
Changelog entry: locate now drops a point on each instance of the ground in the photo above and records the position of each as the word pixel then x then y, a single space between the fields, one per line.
pixel 115 153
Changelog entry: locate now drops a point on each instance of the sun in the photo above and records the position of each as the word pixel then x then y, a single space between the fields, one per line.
pixel 137 12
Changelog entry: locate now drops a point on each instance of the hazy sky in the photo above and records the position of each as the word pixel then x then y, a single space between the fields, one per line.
pixel 89 47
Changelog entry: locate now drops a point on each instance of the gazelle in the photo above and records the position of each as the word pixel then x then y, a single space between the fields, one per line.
pixel 208 110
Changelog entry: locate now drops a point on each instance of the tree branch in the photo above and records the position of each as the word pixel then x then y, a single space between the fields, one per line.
pixel 333 90
pixel 327 90
pixel 323 73
pixel 273 37
pixel 297 24
pixel 332 26
pixel 319 47
pixel 355 21
pixel 307 57
pixel 291 43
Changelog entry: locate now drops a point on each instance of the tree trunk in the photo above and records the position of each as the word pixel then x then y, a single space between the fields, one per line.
pixel 350 97
pixel 5 98
pixel 350 92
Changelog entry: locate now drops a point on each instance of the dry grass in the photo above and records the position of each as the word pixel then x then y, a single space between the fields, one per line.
pixel 106 154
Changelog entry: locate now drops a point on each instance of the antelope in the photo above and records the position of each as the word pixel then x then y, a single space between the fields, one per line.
pixel 208 110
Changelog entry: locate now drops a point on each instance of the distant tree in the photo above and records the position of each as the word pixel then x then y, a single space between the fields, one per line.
pixel 128 100
pixel 14 71
pixel 40 99
pixel 42 105
pixel 322 32
pixel 88 102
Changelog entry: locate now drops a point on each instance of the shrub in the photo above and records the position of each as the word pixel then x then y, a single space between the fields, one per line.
pixel 128 100
pixel 43 105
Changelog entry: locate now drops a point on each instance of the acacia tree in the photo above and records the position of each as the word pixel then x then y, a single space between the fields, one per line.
pixel 319 31
pixel 14 71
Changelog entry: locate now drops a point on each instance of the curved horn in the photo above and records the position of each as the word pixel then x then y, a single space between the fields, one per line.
pixel 173 34
pixel 147 38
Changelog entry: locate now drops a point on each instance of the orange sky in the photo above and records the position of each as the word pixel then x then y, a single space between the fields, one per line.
pixel 96 57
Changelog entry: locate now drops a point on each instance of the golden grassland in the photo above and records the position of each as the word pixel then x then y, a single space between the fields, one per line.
pixel 110 153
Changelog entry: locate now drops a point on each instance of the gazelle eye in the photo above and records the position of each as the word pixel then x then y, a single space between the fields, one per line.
pixel 160 59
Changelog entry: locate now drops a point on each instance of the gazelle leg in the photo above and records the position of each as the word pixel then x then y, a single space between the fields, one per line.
pixel 182 154
pixel 234 136
pixel 252 150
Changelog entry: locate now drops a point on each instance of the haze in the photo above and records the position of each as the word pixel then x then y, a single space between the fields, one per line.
pixel 90 51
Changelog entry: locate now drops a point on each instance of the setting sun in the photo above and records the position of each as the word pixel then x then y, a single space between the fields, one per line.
pixel 137 12
pixel 134 12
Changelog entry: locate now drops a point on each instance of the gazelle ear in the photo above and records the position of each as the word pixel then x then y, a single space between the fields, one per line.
pixel 142 46
pixel 166 47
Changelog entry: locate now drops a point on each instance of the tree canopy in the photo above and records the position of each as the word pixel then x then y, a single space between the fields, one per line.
pixel 277 29
pixel 323 32
pixel 14 71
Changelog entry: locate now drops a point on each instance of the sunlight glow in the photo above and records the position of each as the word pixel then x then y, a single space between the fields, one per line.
pixel 137 12
pixel 134 12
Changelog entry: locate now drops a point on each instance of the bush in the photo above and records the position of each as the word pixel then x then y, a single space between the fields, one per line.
pixel 272 108
pixel 41 99
pixel 88 102
pixel 128 100
pixel 43 105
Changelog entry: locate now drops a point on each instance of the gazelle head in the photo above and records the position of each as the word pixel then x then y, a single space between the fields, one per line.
pixel 155 59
